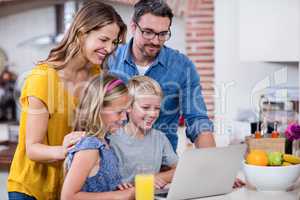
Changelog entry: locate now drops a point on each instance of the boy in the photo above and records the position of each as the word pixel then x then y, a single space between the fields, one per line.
pixel 138 145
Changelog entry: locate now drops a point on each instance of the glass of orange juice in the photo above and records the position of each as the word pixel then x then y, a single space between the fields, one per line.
pixel 144 183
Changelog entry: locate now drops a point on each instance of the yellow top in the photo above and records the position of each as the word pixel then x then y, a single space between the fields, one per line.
pixel 43 180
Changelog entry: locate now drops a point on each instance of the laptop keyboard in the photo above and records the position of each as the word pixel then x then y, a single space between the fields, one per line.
pixel 162 195
pixel 161 191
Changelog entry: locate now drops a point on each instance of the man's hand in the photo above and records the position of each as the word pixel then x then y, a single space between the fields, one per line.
pixel 238 183
pixel 205 139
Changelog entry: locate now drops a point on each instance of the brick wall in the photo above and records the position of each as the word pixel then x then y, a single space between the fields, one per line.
pixel 199 15
pixel 200 45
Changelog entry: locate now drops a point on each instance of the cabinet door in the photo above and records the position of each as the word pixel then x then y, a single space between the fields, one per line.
pixel 269 30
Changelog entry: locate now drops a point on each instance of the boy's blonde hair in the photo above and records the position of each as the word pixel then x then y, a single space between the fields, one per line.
pixel 100 91
pixel 143 85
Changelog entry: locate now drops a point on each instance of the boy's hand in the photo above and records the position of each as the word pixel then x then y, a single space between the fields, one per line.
pixel 159 182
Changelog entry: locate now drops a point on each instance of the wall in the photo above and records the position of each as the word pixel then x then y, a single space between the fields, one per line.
pixel 235 80
pixel 200 46
pixel 15 29
pixel 275 26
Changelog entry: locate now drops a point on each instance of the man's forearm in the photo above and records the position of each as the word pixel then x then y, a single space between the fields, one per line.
pixel 205 139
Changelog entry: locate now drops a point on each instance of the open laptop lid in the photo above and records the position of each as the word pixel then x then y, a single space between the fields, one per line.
pixel 206 172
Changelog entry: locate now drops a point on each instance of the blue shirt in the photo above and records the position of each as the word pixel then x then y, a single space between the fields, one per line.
pixel 180 83
pixel 108 176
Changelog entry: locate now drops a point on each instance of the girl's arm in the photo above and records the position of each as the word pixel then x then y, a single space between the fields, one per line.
pixel 81 166
pixel 36 132
pixel 163 178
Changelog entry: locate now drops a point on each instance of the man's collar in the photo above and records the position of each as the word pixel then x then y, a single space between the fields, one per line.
pixel 128 57
pixel 162 59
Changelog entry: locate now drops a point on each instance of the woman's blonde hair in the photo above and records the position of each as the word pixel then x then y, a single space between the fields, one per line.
pixel 92 16
pixel 98 94
pixel 143 85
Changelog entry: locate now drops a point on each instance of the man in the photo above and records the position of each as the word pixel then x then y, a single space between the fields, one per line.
pixel 145 54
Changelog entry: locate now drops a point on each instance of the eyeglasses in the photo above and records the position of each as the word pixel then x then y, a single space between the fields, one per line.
pixel 149 35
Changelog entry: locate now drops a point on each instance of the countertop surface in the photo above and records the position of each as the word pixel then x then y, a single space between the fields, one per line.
pixel 248 194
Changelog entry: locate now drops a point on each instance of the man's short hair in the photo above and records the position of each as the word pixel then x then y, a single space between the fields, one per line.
pixel 155 7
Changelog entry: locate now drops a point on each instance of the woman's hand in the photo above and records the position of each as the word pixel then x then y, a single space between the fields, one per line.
pixel 71 139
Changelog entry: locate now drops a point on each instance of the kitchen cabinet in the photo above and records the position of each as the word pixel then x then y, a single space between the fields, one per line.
pixel 269 30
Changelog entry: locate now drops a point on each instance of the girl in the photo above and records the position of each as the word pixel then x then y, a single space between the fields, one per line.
pixel 92 167
pixel 138 145
pixel 49 97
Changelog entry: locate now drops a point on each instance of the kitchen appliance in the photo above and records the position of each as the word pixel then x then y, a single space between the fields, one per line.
pixel 277 105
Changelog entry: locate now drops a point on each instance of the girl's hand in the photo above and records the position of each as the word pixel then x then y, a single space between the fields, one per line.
pixel 125 186
pixel 71 139
pixel 159 182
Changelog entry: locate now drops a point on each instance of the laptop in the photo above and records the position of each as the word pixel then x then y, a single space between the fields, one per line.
pixel 205 172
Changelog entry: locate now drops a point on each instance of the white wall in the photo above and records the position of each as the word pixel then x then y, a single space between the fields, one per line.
pixel 241 78
pixel 274 24
pixel 15 29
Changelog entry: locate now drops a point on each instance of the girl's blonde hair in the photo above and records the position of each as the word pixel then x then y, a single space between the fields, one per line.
pixel 99 93
pixel 92 16
pixel 143 85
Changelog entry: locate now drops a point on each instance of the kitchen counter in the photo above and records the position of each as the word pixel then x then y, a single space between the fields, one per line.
pixel 248 194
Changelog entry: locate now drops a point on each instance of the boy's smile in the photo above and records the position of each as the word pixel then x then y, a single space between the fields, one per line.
pixel 144 111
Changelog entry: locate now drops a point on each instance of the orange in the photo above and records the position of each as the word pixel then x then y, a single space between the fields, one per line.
pixel 257 157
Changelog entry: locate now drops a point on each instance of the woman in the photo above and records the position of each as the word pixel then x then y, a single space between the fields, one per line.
pixel 49 97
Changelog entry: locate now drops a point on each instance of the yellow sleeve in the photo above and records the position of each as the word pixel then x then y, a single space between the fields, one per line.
pixel 42 84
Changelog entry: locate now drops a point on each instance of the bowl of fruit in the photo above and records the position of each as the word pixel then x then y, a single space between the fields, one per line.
pixel 271 171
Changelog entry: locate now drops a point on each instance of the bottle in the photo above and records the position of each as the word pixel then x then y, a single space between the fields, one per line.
pixel 275 133
pixel 257 134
